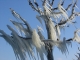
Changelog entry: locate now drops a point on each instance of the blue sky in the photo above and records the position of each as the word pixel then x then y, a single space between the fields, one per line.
pixel 22 7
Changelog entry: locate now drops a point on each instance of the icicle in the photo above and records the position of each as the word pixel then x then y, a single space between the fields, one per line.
pixel 18 26
pixel 39 32
pixel 38 44
pixel 39 19
pixel 76 6
pixel 39 28
pixel 62 46
pixel 58 30
pixel 63 12
pixel 76 36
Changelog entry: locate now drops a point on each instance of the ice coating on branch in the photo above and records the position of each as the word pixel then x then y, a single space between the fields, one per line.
pixel 52 31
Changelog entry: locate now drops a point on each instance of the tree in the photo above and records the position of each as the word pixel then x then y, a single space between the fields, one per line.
pixel 28 39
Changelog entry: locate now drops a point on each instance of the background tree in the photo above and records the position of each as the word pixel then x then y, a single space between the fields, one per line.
pixel 28 39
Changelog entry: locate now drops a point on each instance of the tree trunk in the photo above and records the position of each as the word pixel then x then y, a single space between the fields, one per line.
pixel 49 49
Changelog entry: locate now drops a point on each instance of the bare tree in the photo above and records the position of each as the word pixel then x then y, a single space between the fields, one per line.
pixel 29 39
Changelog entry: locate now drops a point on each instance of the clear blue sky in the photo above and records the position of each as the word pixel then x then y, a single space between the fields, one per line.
pixel 22 7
